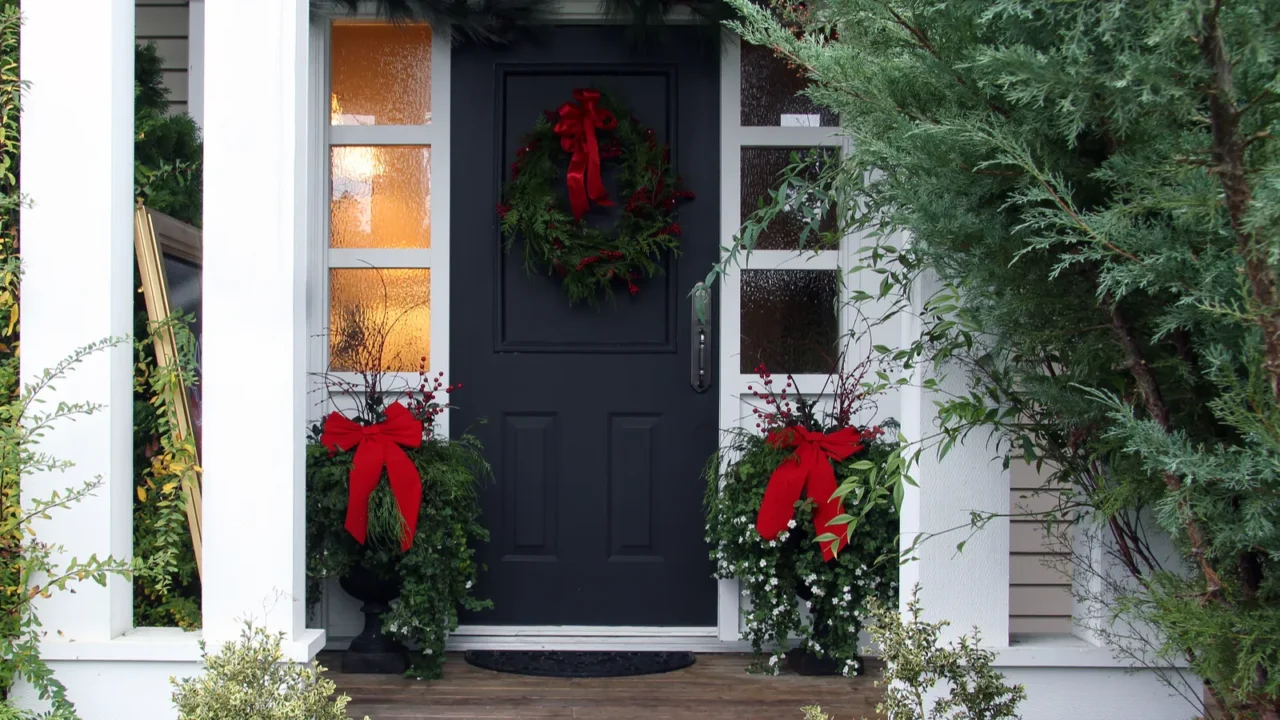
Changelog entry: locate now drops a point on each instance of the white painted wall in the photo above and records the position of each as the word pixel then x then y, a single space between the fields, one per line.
pixel 106 690
pixel 1098 694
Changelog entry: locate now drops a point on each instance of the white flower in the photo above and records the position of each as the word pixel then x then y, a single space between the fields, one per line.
pixel 791 523
pixel 763 564
pixel 773 659
pixel 428 651
pixel 468 584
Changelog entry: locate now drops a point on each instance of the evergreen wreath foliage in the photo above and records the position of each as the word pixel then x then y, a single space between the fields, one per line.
pixel 592 260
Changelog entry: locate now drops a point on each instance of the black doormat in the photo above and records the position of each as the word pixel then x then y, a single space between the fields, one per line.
pixel 548 663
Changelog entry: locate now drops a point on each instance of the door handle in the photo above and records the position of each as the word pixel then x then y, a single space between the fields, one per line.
pixel 700 360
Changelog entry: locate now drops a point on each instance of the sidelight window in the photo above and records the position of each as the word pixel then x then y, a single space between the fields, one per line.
pixel 385 231
pixel 782 308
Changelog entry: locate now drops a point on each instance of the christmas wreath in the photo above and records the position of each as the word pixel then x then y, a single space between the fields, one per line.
pixel 579 140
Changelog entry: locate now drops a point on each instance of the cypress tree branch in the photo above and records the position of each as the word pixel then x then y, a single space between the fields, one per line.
pixel 1230 167
pixel 1152 399
pixel 1228 153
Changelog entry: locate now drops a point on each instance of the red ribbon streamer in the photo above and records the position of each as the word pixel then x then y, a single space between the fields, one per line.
pixel 379 446
pixel 808 470
pixel 577 130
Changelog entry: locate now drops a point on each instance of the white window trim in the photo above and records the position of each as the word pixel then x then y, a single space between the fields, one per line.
pixel 734 383
pixel 323 258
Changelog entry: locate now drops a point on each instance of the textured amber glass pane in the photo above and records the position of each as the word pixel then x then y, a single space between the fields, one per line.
pixel 769 91
pixel 372 308
pixel 381 197
pixel 789 320
pixel 380 74
pixel 760 176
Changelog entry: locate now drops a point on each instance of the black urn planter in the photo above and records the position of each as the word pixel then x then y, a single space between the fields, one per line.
pixel 373 651
pixel 801 660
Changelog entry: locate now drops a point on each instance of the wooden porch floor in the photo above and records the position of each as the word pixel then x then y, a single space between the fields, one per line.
pixel 717 687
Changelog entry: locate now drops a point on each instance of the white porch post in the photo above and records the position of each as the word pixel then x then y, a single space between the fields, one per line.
pixel 77 252
pixel 255 240
pixel 968 588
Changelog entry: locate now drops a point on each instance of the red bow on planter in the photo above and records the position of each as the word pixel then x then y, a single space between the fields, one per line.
pixel 577 131
pixel 379 446
pixel 808 470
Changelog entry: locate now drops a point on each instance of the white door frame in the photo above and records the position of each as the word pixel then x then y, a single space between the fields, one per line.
pixel 725 634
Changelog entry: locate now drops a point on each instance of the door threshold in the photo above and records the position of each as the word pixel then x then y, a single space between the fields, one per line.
pixel 581 637
pixel 588 637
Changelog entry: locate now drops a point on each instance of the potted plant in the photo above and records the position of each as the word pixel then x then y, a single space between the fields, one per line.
pixel 803 511
pixel 392 509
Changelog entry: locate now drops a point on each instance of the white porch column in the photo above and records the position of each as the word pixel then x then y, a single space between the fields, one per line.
pixel 969 587
pixel 77 252
pixel 254 365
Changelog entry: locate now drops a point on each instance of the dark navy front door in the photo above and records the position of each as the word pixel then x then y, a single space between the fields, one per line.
pixel 596 436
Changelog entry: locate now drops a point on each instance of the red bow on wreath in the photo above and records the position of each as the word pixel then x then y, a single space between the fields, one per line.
pixel 577 131
pixel 379 446
pixel 808 470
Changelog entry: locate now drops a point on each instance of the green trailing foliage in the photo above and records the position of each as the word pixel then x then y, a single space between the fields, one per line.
pixel 163 458
pixel 1084 199
pixel 250 679
pixel 10 276
pixel 437 574
pixel 773 573
pixel 439 570
pixel 34 568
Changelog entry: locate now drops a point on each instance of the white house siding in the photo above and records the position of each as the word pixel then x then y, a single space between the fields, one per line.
pixel 167 24
pixel 1039 563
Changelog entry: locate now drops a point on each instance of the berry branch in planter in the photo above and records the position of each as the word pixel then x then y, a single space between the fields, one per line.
pixel 392 507
pixel 807 555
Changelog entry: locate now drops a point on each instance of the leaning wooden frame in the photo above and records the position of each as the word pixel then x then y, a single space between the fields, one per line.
pixel 155 291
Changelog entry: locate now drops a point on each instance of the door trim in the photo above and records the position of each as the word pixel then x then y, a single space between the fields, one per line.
pixel 725 636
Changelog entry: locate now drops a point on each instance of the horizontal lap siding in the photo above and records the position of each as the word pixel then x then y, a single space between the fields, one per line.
pixel 1039 561
pixel 165 22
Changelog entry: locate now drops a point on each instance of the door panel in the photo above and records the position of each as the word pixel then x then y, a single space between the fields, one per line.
pixel 596 437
